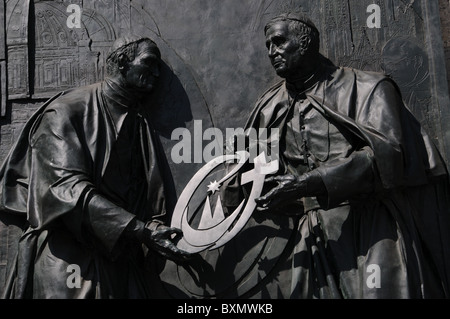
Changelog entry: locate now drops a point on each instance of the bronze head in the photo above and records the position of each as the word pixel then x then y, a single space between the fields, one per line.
pixel 135 62
pixel 293 44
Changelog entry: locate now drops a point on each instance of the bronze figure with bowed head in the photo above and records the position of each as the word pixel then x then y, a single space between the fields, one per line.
pixel 86 186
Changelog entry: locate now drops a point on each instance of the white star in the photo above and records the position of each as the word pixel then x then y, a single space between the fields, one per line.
pixel 213 187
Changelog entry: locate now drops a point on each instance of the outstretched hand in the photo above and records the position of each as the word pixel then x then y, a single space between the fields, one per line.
pixel 163 240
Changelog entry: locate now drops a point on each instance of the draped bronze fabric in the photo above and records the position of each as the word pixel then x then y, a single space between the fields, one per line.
pixel 386 207
pixel 84 166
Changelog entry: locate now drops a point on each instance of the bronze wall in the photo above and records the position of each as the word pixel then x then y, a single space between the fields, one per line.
pixel 216 67
pixel 444 10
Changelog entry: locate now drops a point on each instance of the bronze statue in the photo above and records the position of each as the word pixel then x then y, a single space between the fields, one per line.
pixel 85 185
pixel 369 188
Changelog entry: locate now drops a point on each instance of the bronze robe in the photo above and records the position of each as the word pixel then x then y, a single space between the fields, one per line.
pixel 82 169
pixel 382 230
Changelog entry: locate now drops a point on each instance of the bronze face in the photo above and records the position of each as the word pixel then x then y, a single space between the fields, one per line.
pixel 284 49
pixel 143 72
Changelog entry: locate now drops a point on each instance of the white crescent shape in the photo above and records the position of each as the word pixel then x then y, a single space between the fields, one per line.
pixel 257 187
pixel 197 240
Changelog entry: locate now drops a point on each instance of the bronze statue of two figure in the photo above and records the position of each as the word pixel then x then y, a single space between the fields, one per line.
pixel 355 204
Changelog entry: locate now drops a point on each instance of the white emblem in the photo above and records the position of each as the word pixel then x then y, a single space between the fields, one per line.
pixel 214 229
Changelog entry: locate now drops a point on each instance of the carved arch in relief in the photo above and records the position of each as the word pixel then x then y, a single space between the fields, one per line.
pixel 45 55
pixel 64 56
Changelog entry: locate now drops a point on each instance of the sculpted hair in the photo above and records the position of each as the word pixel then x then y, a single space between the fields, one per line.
pixel 300 25
pixel 129 50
